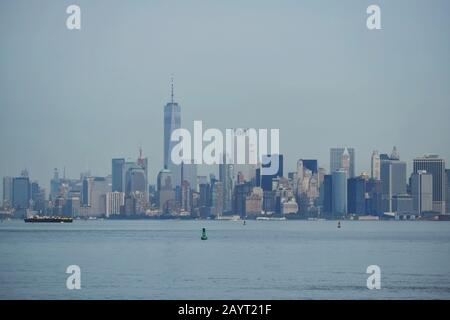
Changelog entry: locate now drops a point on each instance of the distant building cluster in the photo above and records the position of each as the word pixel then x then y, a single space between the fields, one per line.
pixel 240 190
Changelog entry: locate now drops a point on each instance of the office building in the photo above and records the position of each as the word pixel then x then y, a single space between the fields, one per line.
pixel 375 165
pixel 135 179
pixel 118 175
pixel 216 198
pixel 393 181
pixel 100 186
pixel 241 191
pixel 172 121
pixel 447 202
pixel 422 191
pixel 402 204
pixel 339 192
pixel 336 157
pixel 114 202
pixel 327 191
pixel 435 166
pixel 7 191
pixel 226 176
pixel 21 194
pixel 357 195
pixel 254 202
pixel 166 193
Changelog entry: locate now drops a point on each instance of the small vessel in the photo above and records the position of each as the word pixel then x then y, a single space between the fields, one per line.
pixel 339 224
pixel 49 219
pixel 204 236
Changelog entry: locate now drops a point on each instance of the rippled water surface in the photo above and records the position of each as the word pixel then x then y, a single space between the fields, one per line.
pixel 165 259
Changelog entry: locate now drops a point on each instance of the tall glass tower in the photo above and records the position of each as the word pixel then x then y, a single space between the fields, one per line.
pixel 339 190
pixel 172 121
pixel 434 165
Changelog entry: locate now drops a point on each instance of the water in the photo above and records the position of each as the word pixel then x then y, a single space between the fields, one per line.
pixel 165 259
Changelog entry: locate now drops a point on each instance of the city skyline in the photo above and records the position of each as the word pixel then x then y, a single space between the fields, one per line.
pixel 90 98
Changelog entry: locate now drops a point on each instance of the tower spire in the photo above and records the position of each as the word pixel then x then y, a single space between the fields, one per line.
pixel 171 88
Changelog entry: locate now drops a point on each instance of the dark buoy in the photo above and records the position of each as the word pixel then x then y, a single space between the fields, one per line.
pixel 204 236
pixel 244 222
pixel 339 224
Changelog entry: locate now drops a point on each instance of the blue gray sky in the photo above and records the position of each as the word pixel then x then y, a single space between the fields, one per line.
pixel 310 68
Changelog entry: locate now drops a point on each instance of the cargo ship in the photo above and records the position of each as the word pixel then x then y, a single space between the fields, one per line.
pixel 49 219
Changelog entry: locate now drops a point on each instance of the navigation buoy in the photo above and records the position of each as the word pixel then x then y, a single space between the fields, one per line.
pixel 339 224
pixel 244 222
pixel 204 236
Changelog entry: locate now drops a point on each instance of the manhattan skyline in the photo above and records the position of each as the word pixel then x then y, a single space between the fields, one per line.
pixel 76 100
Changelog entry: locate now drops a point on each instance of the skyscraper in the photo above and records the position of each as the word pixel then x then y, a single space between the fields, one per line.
pixel 241 191
pixel 327 192
pixel 356 194
pixel 216 198
pixel 375 164
pixel 114 201
pixel 434 165
pixel 339 191
pixel 100 186
pixel 55 184
pixel 447 203
pixel 345 162
pixel 226 177
pixel 336 160
pixel 21 195
pixel 422 191
pixel 393 181
pixel 118 173
pixel 186 197
pixel 172 121
pixel 165 190
pixel 7 191
pixel 135 180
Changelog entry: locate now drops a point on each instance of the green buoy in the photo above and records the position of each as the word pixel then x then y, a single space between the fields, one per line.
pixel 204 236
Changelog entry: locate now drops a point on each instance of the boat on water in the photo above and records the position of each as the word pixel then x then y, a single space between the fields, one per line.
pixel 55 219
pixel 271 218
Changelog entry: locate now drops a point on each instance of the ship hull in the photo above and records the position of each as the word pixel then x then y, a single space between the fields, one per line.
pixel 49 220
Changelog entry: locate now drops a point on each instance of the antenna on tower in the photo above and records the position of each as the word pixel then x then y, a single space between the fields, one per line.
pixel 171 88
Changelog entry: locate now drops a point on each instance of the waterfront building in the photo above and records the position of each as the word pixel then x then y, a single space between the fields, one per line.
pixel 339 192
pixel 21 195
pixel 393 179
pixel 114 202
pixel 422 191
pixel 434 165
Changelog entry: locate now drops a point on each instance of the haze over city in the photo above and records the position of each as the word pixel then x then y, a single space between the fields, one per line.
pixel 78 99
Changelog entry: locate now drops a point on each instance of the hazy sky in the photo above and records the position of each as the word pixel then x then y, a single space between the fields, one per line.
pixel 310 68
